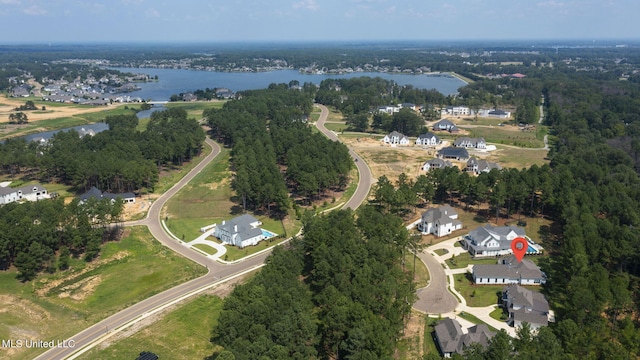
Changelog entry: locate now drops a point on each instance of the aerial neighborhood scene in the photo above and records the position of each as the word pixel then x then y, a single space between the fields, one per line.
pixel 319 180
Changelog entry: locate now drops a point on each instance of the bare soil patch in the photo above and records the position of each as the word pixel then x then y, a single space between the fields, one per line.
pixel 8 105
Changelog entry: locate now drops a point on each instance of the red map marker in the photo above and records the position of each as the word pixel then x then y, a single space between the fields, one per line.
pixel 519 247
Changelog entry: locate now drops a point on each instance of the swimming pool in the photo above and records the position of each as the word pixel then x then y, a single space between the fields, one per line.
pixel 267 234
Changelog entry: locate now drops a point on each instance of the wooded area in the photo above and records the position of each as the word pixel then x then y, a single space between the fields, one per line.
pixel 274 150
pixel 119 160
pixel 341 291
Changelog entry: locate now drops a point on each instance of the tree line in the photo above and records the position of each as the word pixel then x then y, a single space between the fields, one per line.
pixel 340 291
pixel 121 159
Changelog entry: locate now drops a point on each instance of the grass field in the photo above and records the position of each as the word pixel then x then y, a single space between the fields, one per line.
pixel 337 127
pixel 421 277
pixel 509 157
pixel 497 135
pixel 196 109
pixel 181 334
pixel 206 248
pixel 126 272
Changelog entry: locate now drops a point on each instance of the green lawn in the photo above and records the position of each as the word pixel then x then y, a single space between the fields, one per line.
pixel 498 135
pixel 171 176
pixel 181 334
pixel 337 127
pixel 463 260
pixel 196 108
pixel 441 251
pixel 206 248
pixel 476 295
pixel 421 277
pixel 126 272
pixel 510 157
pixel 471 318
pixel 498 314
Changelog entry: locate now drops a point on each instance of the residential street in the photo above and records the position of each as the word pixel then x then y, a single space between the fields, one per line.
pixel 436 299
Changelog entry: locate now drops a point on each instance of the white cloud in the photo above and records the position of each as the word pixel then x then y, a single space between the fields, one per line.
pixel 35 10
pixel 152 13
pixel 10 2
pixel 306 4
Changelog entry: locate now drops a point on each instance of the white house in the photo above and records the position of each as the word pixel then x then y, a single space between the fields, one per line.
pixel 428 139
pixel 456 111
pixel 478 166
pixel 29 193
pixel 509 271
pixel 241 231
pixel 466 142
pixel 436 164
pixel 496 113
pixel 439 221
pixel 524 305
pixel 395 138
pixel 389 109
pixel 496 241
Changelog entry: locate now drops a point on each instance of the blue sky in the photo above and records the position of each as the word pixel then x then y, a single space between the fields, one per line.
pixel 70 21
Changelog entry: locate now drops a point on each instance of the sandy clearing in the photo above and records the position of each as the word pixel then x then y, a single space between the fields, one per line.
pixel 8 105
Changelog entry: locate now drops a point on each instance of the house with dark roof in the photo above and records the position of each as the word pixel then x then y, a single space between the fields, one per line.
pixel 94 192
pixel 497 113
pixel 439 221
pixel 524 305
pixel 240 231
pixel 395 138
pixel 428 139
pixel 509 271
pixel 436 164
pixel 450 152
pixel 478 166
pixel 491 240
pixel 450 338
pixel 467 142
pixel 445 125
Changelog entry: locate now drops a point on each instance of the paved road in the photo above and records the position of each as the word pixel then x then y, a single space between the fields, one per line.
pixel 216 272
pixel 435 298
pixel 366 179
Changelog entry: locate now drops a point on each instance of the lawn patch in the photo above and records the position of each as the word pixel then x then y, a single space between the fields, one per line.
pixel 181 334
pixel 476 295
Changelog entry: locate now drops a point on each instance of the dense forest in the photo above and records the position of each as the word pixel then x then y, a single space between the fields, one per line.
pixel 121 159
pixel 340 292
pixel 274 150
pixel 44 235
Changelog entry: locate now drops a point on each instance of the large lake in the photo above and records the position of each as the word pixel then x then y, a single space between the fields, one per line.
pixel 171 81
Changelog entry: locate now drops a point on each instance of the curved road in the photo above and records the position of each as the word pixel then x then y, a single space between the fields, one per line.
pixel 366 179
pixel 435 298
pixel 217 271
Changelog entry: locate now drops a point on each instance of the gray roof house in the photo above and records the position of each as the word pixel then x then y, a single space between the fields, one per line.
pixel 451 339
pixel 445 124
pixel 450 152
pixel 493 240
pixel 240 231
pixel 478 166
pixel 439 221
pixel 127 197
pixel 436 164
pixel 428 139
pixel 524 305
pixel 33 192
pixel 509 271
